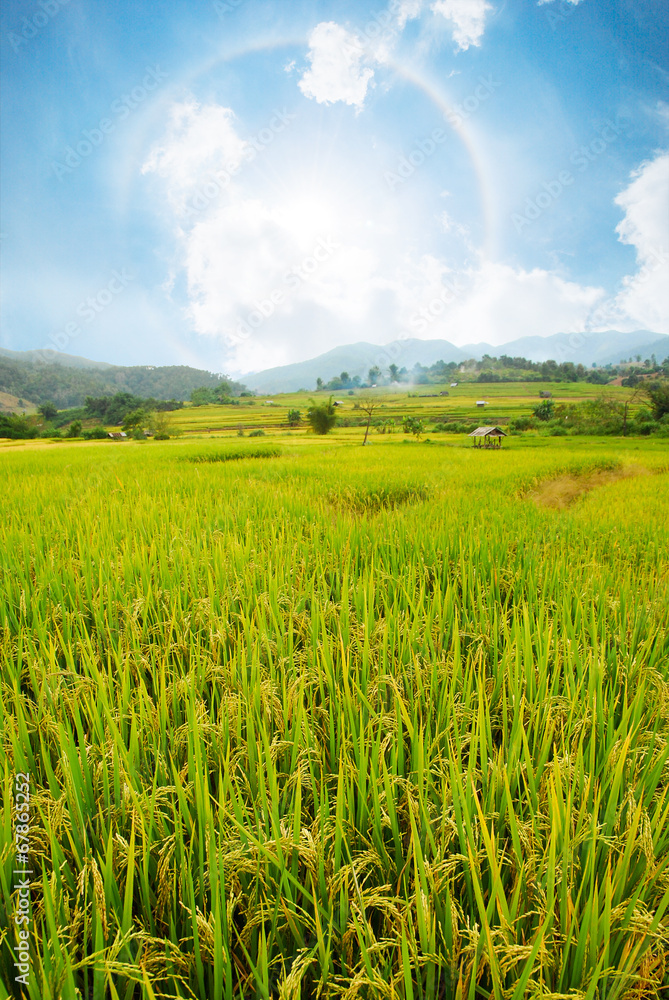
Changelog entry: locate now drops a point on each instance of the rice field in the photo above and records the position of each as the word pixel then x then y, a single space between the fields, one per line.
pixel 310 720
pixel 504 401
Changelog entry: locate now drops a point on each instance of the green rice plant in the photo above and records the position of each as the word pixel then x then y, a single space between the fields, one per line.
pixel 234 454
pixel 371 499
pixel 280 748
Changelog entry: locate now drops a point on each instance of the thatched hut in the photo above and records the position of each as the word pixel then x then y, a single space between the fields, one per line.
pixel 488 437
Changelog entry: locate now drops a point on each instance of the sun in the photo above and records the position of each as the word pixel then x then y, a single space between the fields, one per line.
pixel 309 218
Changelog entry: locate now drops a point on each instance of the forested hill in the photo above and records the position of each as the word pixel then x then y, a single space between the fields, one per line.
pixel 68 386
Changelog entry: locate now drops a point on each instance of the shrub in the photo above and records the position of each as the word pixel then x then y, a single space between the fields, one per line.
pixel 522 424
pixel 49 411
pixel 455 427
pixel 14 426
pixel 658 391
pixel 74 430
pixel 322 416
pixel 97 434
pixel 413 425
pixel 544 411
pixel 257 434
pixel 604 415
pixel 135 420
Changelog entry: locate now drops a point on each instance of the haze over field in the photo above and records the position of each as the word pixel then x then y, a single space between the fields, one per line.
pixel 236 186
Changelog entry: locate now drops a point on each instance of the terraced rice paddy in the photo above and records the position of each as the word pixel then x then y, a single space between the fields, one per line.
pixel 336 722
pixel 504 401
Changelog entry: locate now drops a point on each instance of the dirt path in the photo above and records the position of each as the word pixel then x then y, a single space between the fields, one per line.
pixel 565 490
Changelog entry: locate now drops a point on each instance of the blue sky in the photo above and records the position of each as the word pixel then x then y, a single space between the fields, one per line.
pixel 236 185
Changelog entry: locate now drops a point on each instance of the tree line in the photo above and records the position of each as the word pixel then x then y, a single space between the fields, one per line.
pixel 68 387
pixel 493 369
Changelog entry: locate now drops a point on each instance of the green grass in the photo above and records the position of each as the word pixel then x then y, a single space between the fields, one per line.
pixel 348 722
pixel 505 401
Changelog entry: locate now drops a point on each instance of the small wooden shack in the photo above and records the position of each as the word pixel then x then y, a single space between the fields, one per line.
pixel 488 437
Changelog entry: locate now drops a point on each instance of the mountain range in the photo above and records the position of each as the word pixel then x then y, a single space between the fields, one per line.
pixel 66 378
pixel 29 378
pixel 51 357
pixel 610 347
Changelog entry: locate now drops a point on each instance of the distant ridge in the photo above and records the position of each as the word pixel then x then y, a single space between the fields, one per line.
pixel 27 375
pixel 48 356
pixel 356 359
pixel 587 349
pixel 66 379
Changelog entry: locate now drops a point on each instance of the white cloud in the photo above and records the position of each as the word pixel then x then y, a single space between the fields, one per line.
pixel 575 3
pixel 493 302
pixel 467 17
pixel 257 274
pixel 336 72
pixel 645 296
pixel 257 289
pixel 646 205
pixel 408 10
pixel 200 142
